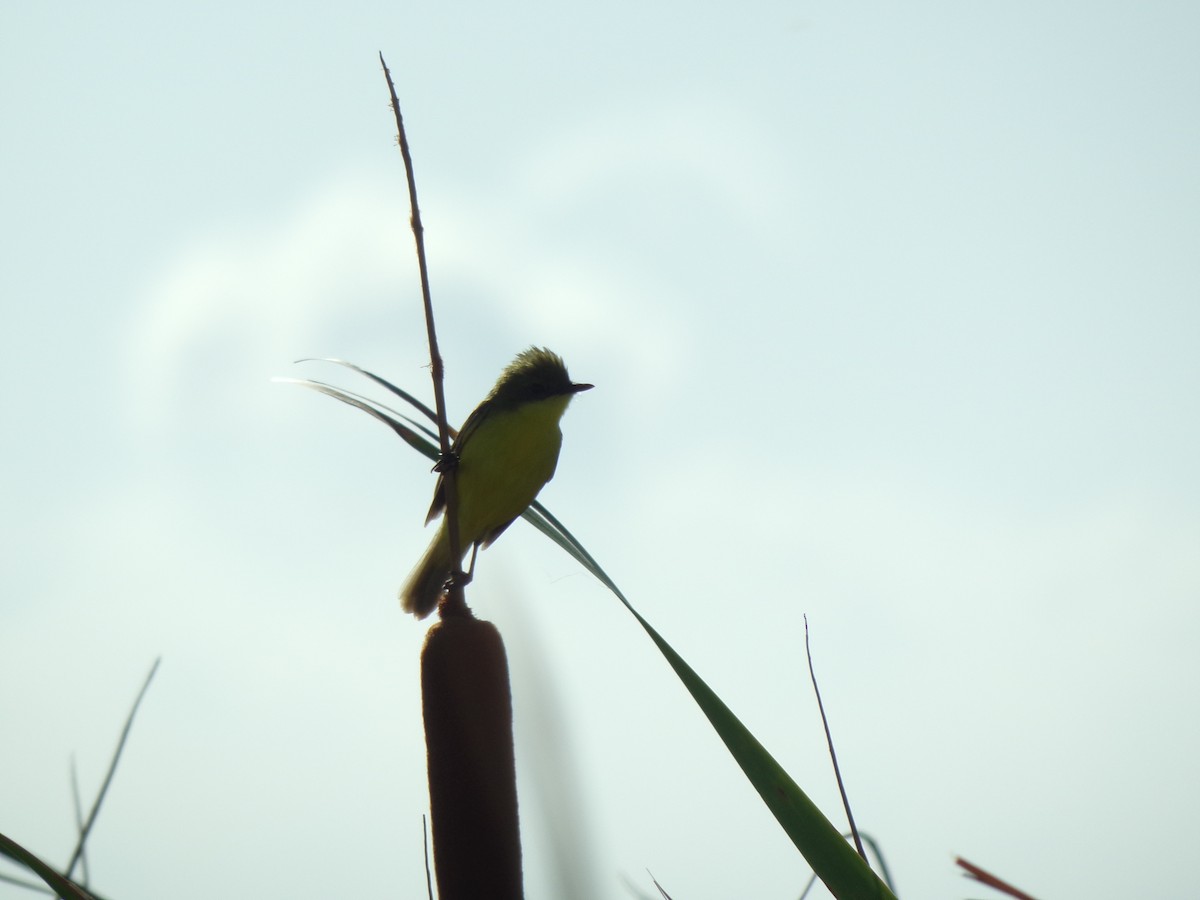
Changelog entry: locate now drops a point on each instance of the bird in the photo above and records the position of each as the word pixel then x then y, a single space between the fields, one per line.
pixel 505 453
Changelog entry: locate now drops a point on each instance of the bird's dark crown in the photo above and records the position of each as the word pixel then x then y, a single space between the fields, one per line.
pixel 536 374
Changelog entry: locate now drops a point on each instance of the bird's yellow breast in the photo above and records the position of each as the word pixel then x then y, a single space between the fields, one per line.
pixel 505 463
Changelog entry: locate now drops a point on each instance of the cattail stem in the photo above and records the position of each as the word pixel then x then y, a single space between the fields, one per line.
pixel 472 771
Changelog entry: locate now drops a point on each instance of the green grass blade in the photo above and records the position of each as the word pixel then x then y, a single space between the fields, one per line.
pixel 62 885
pixel 835 861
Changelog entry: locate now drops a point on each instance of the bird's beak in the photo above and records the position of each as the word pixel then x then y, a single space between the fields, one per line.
pixel 576 388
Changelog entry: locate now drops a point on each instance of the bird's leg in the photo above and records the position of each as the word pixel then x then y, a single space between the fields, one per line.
pixel 452 593
pixel 460 579
pixel 469 575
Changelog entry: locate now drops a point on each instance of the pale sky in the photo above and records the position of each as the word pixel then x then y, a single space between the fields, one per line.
pixel 893 315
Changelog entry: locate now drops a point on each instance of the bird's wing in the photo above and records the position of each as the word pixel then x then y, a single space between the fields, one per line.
pixel 438 506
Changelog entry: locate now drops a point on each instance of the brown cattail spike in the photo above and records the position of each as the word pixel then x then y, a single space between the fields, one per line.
pixel 472 772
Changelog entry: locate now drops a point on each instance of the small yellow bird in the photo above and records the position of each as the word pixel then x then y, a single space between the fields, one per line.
pixel 507 449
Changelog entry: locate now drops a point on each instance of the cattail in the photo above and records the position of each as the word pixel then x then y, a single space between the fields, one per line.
pixel 472 772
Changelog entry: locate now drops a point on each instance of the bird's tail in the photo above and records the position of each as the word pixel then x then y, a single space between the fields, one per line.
pixel 423 588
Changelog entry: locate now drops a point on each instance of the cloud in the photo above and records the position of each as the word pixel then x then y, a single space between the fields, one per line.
pixel 274 284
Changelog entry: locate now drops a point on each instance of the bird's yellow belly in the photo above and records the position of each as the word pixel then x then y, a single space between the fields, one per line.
pixel 504 464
